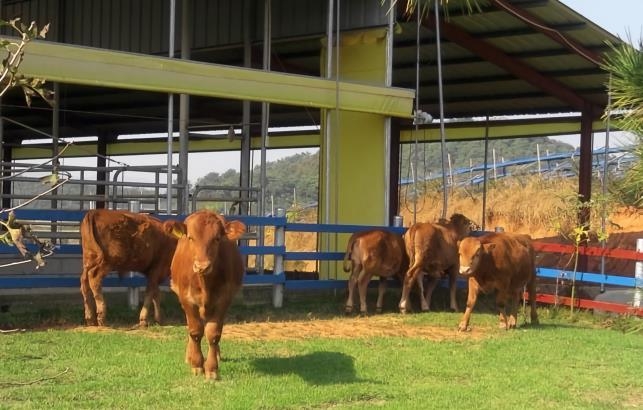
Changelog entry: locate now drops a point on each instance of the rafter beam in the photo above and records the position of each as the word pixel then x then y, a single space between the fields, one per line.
pixel 518 68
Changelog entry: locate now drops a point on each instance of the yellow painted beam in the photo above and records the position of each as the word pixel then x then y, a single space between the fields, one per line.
pixel 99 67
pixel 497 130
pixel 159 146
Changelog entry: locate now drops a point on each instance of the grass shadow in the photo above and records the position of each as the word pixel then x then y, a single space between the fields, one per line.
pixel 318 368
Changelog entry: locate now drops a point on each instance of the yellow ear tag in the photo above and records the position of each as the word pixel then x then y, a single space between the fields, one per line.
pixel 177 233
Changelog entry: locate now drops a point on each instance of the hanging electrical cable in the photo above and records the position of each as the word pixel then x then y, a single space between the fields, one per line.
pixel 484 178
pixel 417 111
pixel 441 104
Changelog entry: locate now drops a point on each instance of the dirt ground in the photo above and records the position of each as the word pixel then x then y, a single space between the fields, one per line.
pixel 343 328
pixel 335 328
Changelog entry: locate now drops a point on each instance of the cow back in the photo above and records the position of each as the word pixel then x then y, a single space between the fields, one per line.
pixel 379 250
pixel 432 245
pixel 125 241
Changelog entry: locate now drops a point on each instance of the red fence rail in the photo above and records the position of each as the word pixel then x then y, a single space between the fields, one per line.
pixel 613 307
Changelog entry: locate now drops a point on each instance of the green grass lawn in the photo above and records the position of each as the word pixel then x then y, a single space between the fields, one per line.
pixel 580 362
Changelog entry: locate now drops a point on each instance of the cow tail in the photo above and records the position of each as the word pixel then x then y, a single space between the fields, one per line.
pixel 410 245
pixel 88 235
pixel 348 264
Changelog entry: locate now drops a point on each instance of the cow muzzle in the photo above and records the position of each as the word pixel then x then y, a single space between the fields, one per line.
pixel 201 267
pixel 465 270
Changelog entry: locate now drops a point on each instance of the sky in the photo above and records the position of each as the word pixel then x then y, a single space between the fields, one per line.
pixel 623 18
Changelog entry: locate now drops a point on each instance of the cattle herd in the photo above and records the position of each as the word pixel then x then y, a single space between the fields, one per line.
pixel 201 257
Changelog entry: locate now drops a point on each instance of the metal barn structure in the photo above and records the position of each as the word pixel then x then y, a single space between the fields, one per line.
pixel 355 78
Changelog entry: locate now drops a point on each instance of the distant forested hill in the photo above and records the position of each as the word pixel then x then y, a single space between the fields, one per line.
pixel 293 180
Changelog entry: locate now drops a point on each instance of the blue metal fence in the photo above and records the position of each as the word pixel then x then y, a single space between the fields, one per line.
pixel 67 280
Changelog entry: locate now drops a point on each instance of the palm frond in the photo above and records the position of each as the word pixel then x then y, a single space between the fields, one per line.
pixel 625 64
pixel 425 6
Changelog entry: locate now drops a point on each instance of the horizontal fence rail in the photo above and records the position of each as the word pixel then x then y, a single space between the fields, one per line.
pixel 280 252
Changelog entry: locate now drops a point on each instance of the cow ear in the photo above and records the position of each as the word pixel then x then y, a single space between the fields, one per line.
pixel 234 229
pixel 175 228
pixel 489 247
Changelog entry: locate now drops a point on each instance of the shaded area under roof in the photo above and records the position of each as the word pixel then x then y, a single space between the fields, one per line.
pixel 510 58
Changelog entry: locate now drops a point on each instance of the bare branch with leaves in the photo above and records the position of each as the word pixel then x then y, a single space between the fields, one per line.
pixel 14 54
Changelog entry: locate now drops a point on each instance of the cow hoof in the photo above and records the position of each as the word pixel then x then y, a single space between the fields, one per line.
pixel 138 326
pixel 197 371
pixel 463 328
pixel 348 310
pixel 143 323
pixel 378 310
pixel 363 314
pixel 212 376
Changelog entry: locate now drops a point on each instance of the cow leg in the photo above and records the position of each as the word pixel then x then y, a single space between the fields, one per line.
pixel 501 298
pixel 362 287
pixel 453 287
pixel 352 281
pixel 193 354
pixel 424 306
pixel 88 300
pixel 472 297
pixel 381 290
pixel 96 284
pixel 514 301
pixel 531 288
pixel 213 330
pixel 428 291
pixel 407 284
pixel 152 297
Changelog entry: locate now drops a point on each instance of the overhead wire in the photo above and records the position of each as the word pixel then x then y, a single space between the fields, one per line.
pixel 558 34
pixel 445 197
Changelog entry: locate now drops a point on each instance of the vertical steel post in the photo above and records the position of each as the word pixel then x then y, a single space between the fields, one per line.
pixel 170 113
pixel 133 296
pixel 280 240
pixel 638 277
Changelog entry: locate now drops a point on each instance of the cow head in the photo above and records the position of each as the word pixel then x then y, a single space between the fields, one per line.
pixel 471 251
pixel 462 225
pixel 203 232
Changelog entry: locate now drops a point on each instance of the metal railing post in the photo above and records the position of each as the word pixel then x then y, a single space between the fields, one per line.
pixel 280 240
pixel 133 294
pixel 638 277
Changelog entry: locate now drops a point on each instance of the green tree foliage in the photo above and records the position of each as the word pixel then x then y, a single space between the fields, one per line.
pixel 625 65
pixel 293 181
pixel 466 153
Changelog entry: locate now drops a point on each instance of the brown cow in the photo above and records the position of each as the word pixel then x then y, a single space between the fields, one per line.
pixel 503 262
pixel 122 241
pixel 207 272
pixel 433 250
pixel 375 252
